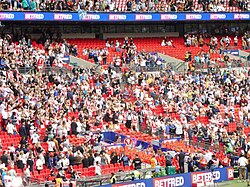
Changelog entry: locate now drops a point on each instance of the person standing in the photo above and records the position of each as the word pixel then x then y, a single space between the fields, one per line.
pixel 181 161
pixel 129 120
pixel 168 158
pixel 112 178
pixel 98 170
pixel 39 164
pixel 242 162
pixel 248 171
pixel 73 127
pixel 137 162
pixel 125 160
pixel 27 175
pixel 153 162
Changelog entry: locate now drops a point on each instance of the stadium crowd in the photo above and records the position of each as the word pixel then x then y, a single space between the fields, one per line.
pixel 46 110
pixel 110 5
pixel 215 56
pixel 130 57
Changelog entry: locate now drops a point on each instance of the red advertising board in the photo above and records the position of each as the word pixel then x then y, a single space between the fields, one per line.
pixel 230 173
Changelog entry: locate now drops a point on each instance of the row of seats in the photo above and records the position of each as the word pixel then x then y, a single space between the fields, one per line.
pixel 83 172
pixel 148 44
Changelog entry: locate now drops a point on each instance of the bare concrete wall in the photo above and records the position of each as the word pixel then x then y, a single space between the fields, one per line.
pixel 81 62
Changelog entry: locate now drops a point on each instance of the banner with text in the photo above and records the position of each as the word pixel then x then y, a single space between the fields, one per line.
pixel 121 17
pixel 194 179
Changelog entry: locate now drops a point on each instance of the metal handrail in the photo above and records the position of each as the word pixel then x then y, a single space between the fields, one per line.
pixel 46 70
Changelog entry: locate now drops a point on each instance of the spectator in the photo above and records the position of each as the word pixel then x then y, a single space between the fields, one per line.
pixel 4 174
pixel 12 172
pixel 248 171
pixel 125 160
pixel 65 163
pixel 113 178
pixel 98 170
pixel 181 161
pixel 39 164
pixel 153 162
pixel 168 159
pixel 10 128
pixel 25 5
pixel 4 158
pixel 27 176
pixel 137 162
pixel 33 5
pixel 242 162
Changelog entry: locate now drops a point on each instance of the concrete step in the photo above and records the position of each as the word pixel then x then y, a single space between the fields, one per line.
pixel 176 64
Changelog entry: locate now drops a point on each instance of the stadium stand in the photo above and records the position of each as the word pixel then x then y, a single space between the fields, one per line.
pixel 31 137
pixel 54 115
pixel 205 49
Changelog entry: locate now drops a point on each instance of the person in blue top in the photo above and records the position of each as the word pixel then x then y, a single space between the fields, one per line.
pixel 158 169
pixel 2 64
pixel 25 4
pixel 125 160
pixel 4 174
pixel 33 5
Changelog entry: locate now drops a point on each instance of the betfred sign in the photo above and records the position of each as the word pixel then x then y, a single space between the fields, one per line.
pixel 138 184
pixel 32 16
pixel 169 181
pixel 193 16
pixel 91 17
pixel 6 16
pixel 230 173
pixel 241 16
pixel 116 17
pixel 143 17
pixel 61 16
pixel 191 179
pixel 204 178
pixel 169 17
pixel 217 16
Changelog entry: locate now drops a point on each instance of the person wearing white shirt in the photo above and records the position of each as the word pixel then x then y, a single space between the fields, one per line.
pixel 98 170
pixel 242 162
pixel 12 172
pixel 12 149
pixel 170 43
pixel 10 128
pixel 179 130
pixel 143 63
pixel 51 146
pixel 79 127
pixel 27 175
pixel 208 155
pixel 2 166
pixel 163 43
pixel 32 130
pixel 236 41
pixel 4 115
pixel 35 138
pixel 39 164
pixel 97 159
pixel 65 163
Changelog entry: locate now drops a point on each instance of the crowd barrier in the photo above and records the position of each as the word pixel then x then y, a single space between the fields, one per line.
pixel 194 179
pixel 122 16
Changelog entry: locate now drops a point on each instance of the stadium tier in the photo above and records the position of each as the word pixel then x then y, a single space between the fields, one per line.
pixel 177 49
